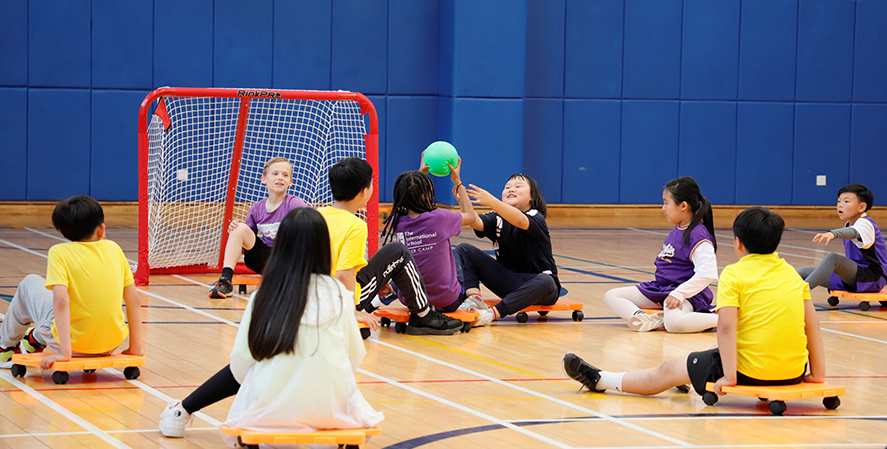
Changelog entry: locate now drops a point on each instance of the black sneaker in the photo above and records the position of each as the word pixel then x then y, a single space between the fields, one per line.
pixel 221 289
pixel 580 371
pixel 433 323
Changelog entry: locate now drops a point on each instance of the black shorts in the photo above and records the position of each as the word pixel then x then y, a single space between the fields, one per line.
pixel 705 366
pixel 256 257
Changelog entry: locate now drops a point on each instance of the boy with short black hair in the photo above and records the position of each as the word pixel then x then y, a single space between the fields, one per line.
pixel 864 269
pixel 351 181
pixel 767 326
pixel 76 310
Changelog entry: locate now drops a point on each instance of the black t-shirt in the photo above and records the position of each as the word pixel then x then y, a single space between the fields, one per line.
pixel 521 251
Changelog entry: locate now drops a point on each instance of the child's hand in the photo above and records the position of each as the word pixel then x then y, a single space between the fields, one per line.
pixel 422 167
pixel 48 360
pixel 671 302
pixel 813 379
pixel 723 382
pixel 233 225
pixel 368 319
pixel 455 172
pixel 480 196
pixel 824 237
pixel 131 351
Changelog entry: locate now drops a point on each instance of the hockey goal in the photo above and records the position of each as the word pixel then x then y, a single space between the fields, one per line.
pixel 201 154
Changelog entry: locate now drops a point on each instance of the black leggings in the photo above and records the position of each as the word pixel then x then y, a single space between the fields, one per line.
pixel 222 385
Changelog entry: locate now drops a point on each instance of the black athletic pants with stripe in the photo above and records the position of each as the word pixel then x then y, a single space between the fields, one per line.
pixel 393 262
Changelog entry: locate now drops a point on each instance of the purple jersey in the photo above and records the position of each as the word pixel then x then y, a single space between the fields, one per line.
pixel 265 223
pixel 871 276
pixel 428 239
pixel 674 267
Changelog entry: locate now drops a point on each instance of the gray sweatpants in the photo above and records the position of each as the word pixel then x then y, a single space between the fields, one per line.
pixel 31 306
pixel 832 263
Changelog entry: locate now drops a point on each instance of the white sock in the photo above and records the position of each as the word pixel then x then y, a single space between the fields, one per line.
pixel 377 302
pixel 610 381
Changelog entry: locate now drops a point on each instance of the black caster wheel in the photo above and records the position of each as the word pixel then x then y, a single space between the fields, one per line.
pixel 763 399
pixel 543 313
pixel 522 317
pixel 578 315
pixel 883 303
pixel 19 370
pixel 864 306
pixel 242 289
pixel 88 371
pixel 385 322
pixel 831 403
pixel 364 333
pixel 60 377
pixel 683 388
pixel 833 301
pixel 466 327
pixel 400 327
pixel 352 446
pixel 131 372
pixel 710 398
pixel 247 446
pixel 777 408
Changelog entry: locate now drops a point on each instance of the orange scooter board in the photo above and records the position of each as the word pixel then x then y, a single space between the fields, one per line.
pixel 401 316
pixel 778 394
pixel 345 437
pixel 129 363
pixel 864 298
pixel 559 306
pixel 242 280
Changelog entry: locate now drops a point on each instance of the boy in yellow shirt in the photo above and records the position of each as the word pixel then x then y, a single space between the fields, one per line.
pixel 767 326
pixel 76 310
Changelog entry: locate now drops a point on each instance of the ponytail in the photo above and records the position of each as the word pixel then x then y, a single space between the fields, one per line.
pixel 685 189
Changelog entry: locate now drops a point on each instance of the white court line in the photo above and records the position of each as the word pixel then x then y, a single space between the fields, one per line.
pixel 537 394
pixel 750 446
pixel 57 434
pixel 856 336
pixel 62 411
pixel 167 398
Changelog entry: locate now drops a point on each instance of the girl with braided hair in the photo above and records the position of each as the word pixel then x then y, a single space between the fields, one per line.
pixel 684 268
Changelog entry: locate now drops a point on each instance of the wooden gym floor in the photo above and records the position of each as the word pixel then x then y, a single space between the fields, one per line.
pixel 500 386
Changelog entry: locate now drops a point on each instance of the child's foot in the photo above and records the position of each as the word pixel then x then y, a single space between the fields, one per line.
pixel 6 357
pixel 580 371
pixel 641 321
pixel 433 323
pixel 474 302
pixel 173 420
pixel 484 318
pixel 29 344
pixel 221 289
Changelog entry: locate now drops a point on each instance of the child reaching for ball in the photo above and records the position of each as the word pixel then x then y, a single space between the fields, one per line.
pixel 684 268
pixel 524 272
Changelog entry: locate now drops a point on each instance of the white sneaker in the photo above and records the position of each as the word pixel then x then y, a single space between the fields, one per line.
pixel 173 420
pixel 484 317
pixel 474 302
pixel 644 322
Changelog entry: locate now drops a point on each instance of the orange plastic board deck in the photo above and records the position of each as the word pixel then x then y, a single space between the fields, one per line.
pixel 345 436
pixel 401 315
pixel 556 307
pixel 247 279
pixel 802 390
pixel 868 297
pixel 82 363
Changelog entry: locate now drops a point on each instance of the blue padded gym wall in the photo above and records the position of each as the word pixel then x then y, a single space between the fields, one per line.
pixel 602 101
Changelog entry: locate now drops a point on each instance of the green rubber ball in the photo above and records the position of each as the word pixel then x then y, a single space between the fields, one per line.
pixel 439 156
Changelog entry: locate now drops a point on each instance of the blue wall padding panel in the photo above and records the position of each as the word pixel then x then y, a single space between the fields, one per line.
pixel 710 54
pixel 177 22
pixel 58 43
pixel 822 147
pixel 593 54
pixel 359 46
pixel 870 55
pixel 488 134
pixel 764 139
pixel 122 53
pixel 58 143
pixel 767 49
pixel 14 43
pixel 115 145
pixel 489 48
pixel 242 44
pixel 868 138
pixel 545 48
pixel 413 41
pixel 652 64
pixel 592 141
pixel 708 148
pixel 446 48
pixel 14 150
pixel 302 44
pixel 649 150
pixel 412 126
pixel 543 145
pixel 825 50
pixel 380 103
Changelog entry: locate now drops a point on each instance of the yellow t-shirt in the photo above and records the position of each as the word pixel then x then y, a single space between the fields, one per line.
pixel 348 241
pixel 769 296
pixel 95 274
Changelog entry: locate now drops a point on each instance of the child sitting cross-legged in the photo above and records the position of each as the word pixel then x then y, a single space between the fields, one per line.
pixel 768 333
